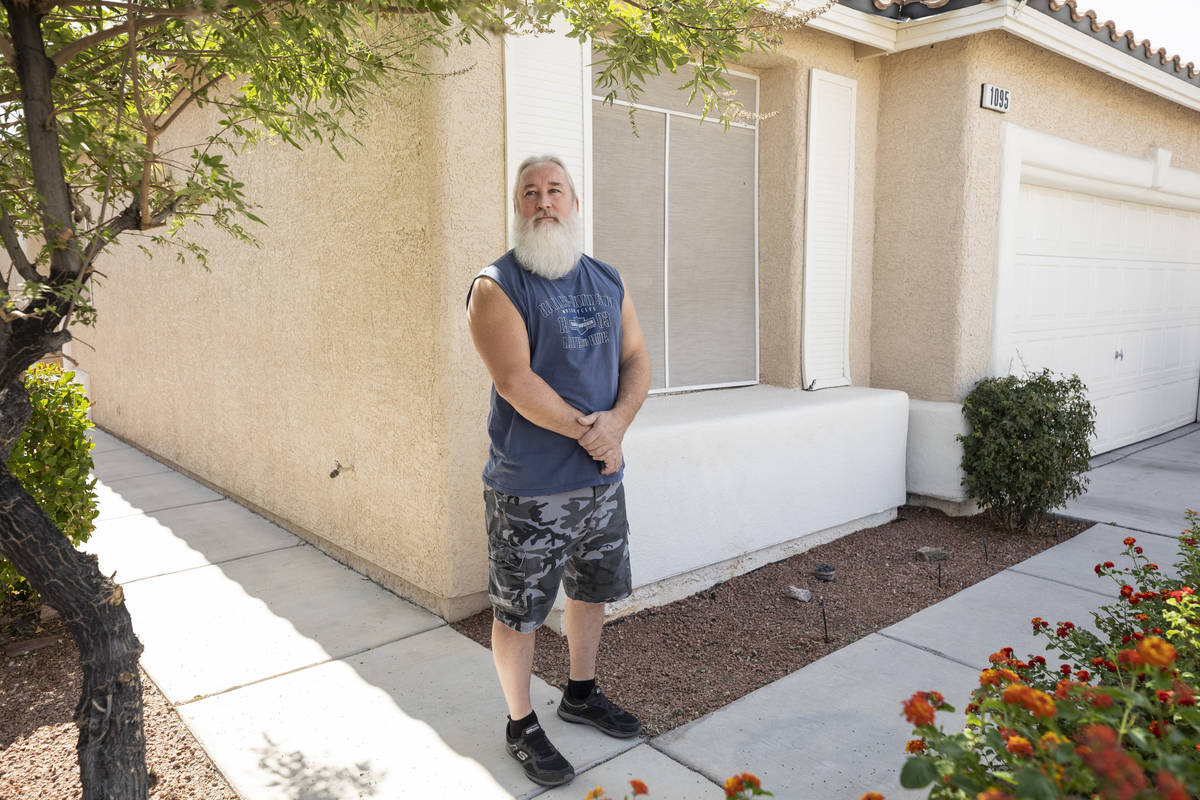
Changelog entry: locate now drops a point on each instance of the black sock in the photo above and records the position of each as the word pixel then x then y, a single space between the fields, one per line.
pixel 515 726
pixel 578 690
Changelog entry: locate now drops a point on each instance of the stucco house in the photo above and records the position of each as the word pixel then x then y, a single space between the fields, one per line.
pixel 928 192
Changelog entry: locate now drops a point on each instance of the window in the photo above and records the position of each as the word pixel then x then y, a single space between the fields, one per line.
pixel 674 208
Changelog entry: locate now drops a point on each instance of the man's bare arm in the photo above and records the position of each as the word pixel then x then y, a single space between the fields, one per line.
pixel 499 335
pixel 603 441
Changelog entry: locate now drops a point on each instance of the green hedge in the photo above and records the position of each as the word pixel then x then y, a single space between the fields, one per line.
pixel 1028 448
pixel 53 460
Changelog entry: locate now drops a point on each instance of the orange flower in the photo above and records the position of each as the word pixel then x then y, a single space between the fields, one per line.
pixel 1014 694
pixel 994 794
pixel 1037 702
pixel 733 785
pixel 989 677
pixel 1156 651
pixel 915 746
pixel 1019 746
pixel 871 796
pixel 917 710
pixel 1050 739
pixel 638 787
pixel 594 794
pixel 751 780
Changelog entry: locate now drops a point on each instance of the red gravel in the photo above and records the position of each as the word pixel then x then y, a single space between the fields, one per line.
pixel 38 693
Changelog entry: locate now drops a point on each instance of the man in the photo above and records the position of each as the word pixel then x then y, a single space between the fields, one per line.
pixel 558 333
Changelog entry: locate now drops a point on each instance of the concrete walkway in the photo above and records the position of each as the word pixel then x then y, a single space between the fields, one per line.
pixel 305 681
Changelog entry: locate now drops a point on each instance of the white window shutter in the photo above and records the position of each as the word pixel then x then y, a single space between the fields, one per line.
pixel 547 104
pixel 828 231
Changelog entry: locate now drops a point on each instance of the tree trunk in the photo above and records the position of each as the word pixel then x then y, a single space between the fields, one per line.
pixel 112 744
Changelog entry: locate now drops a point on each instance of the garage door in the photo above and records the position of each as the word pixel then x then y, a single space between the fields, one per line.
pixel 1110 290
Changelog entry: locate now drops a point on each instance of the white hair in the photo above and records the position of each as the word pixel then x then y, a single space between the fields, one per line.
pixel 532 161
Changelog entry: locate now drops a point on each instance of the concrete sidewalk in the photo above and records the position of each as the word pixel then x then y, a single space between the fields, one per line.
pixel 305 681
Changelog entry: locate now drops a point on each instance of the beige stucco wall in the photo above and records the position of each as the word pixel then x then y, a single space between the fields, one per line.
pixel 342 338
pixel 783 143
pixel 938 190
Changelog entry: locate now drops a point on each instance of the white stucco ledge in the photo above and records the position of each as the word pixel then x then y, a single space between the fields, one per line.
pixel 934 470
pixel 721 482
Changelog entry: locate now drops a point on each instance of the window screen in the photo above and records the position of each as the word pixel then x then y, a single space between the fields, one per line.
pixel 673 209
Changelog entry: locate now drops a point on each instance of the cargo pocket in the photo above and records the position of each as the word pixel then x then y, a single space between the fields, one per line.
pixel 506 577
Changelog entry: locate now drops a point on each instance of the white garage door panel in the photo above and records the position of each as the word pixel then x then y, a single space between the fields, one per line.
pixel 1109 290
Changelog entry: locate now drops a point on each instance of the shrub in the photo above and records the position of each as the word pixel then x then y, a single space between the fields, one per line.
pixel 1117 718
pixel 1028 446
pixel 52 458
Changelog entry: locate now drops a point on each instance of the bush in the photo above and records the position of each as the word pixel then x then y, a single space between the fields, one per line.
pixel 52 458
pixel 1028 446
pixel 1117 718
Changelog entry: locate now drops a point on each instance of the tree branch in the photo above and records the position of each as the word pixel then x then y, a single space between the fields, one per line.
pixel 67 52
pixel 9 235
pixel 35 76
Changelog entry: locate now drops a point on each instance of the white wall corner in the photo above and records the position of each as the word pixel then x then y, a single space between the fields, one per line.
pixel 934 462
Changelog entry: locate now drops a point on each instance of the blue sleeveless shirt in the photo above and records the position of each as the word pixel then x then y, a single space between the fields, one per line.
pixel 574 328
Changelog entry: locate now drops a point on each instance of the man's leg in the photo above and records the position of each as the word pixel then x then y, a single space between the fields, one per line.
pixel 583 623
pixel 513 654
pixel 598 573
pixel 525 569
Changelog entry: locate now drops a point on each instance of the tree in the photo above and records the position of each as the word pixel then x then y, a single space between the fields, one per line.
pixel 87 92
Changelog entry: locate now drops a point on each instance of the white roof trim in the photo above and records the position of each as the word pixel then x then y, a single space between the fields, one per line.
pixel 894 36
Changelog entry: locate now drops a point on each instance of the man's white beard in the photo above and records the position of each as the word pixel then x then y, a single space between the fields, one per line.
pixel 549 249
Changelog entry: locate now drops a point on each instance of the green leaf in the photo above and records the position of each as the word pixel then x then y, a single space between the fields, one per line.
pixel 918 771
pixel 1035 786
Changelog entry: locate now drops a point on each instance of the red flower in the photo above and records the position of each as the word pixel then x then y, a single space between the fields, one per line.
pixel 917 710
pixel 915 746
pixel 1129 657
pixel 1065 669
pixel 1170 787
pixel 638 787
pixel 1138 550
pixel 733 786
pixel 1108 565
pixel 1083 675
pixel 1120 776
pixel 1159 728
pixel 1102 700
pixel 1183 693
pixel 1129 540
pixel 1126 590
pixel 873 796
pixel 751 780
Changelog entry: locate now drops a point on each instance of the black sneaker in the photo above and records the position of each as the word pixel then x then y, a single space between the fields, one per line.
pixel 541 760
pixel 600 712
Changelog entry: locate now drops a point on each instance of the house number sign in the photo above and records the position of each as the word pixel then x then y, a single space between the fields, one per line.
pixel 995 98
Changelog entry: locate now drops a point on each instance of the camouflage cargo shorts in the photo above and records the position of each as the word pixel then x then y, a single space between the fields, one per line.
pixel 579 539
